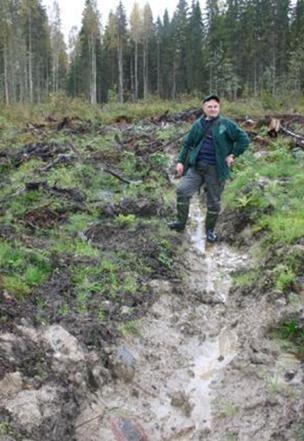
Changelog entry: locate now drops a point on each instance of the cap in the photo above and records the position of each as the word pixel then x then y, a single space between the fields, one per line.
pixel 211 97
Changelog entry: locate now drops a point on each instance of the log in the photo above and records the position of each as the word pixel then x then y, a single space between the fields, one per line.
pixel 298 138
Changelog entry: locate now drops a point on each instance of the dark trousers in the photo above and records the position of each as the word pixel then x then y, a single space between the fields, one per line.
pixel 194 179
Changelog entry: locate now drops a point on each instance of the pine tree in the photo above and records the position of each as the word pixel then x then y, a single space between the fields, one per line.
pixel 136 33
pixel 35 30
pixel 121 41
pixel 147 36
pixel 85 68
pixel 59 55
pixel 197 70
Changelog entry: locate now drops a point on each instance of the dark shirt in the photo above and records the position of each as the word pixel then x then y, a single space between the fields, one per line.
pixel 207 150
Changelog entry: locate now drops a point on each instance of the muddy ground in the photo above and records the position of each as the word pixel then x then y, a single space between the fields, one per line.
pixel 179 351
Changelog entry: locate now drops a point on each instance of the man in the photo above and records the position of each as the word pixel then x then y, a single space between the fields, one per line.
pixel 209 150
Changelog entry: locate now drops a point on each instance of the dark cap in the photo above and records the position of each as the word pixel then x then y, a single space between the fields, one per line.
pixel 211 97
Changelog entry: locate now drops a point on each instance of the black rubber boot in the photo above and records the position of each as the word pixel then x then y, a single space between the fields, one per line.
pixel 182 206
pixel 210 222
pixel 211 236
pixel 211 219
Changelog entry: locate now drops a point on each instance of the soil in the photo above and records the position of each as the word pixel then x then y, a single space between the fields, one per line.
pixel 201 363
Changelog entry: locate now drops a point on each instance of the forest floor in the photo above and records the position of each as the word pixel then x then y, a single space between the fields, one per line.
pixel 112 326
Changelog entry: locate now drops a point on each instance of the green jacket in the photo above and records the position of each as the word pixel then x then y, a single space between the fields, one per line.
pixel 228 139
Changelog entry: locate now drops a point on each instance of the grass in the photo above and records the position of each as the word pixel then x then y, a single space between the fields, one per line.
pixel 246 278
pixel 272 190
pixel 130 327
pixel 23 269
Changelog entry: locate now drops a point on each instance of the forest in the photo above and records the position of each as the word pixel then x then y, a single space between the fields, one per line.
pixel 236 48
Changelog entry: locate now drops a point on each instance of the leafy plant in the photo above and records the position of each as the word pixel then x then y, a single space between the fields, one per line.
pixel 126 220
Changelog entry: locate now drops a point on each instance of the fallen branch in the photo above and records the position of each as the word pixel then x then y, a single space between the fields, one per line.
pixel 299 138
pixel 116 175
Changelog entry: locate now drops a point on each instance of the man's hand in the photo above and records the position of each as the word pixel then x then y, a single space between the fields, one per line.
pixel 230 159
pixel 179 169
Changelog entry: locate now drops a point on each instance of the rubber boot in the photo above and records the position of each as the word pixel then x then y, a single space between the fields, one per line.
pixel 210 223
pixel 182 214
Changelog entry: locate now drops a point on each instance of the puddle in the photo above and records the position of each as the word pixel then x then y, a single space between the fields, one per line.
pixel 215 355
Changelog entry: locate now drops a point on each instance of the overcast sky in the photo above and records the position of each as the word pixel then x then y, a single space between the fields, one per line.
pixel 71 10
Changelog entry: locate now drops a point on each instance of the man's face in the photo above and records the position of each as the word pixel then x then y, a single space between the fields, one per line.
pixel 211 108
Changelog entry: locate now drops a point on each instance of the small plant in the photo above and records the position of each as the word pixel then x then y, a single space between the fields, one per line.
pixel 291 332
pixel 246 278
pixel 35 276
pixel 5 428
pixel 231 436
pixel 126 220
pixel 102 314
pixel 82 302
pixel 130 327
pixel 64 310
pixel 274 384
pixel 285 278
pixel 130 285
pixel 15 286
pixel 229 410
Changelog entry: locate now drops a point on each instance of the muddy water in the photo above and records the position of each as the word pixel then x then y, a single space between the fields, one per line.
pixel 181 353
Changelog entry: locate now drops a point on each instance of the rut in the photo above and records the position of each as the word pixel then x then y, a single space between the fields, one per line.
pixel 184 347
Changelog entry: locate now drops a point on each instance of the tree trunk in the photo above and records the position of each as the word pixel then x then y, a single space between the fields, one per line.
pixel 120 72
pixel 158 68
pixel 93 85
pixel 145 68
pixel 30 61
pixel 173 93
pixel 6 85
pixel 136 71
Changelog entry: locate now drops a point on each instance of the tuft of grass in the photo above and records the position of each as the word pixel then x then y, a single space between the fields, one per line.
pixel 126 220
pixel 130 327
pixel 246 278
pixel 285 278
pixel 15 286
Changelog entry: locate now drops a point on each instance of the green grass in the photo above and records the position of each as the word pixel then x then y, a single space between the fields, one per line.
pixel 246 278
pixel 130 327
pixel 23 269
pixel 274 182
pixel 291 334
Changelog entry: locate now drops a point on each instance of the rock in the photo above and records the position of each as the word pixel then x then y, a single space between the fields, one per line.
pixel 66 347
pixel 122 364
pixel 290 374
pixel 160 286
pixel 125 310
pixel 31 407
pixel 11 384
pixel 181 400
pixel 126 429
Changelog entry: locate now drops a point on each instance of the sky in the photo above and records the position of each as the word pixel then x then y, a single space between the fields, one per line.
pixel 71 10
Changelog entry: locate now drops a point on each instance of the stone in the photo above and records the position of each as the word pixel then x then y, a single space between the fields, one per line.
pixel 127 429
pixel 66 347
pixel 122 364
pixel 11 384
pixel 181 400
